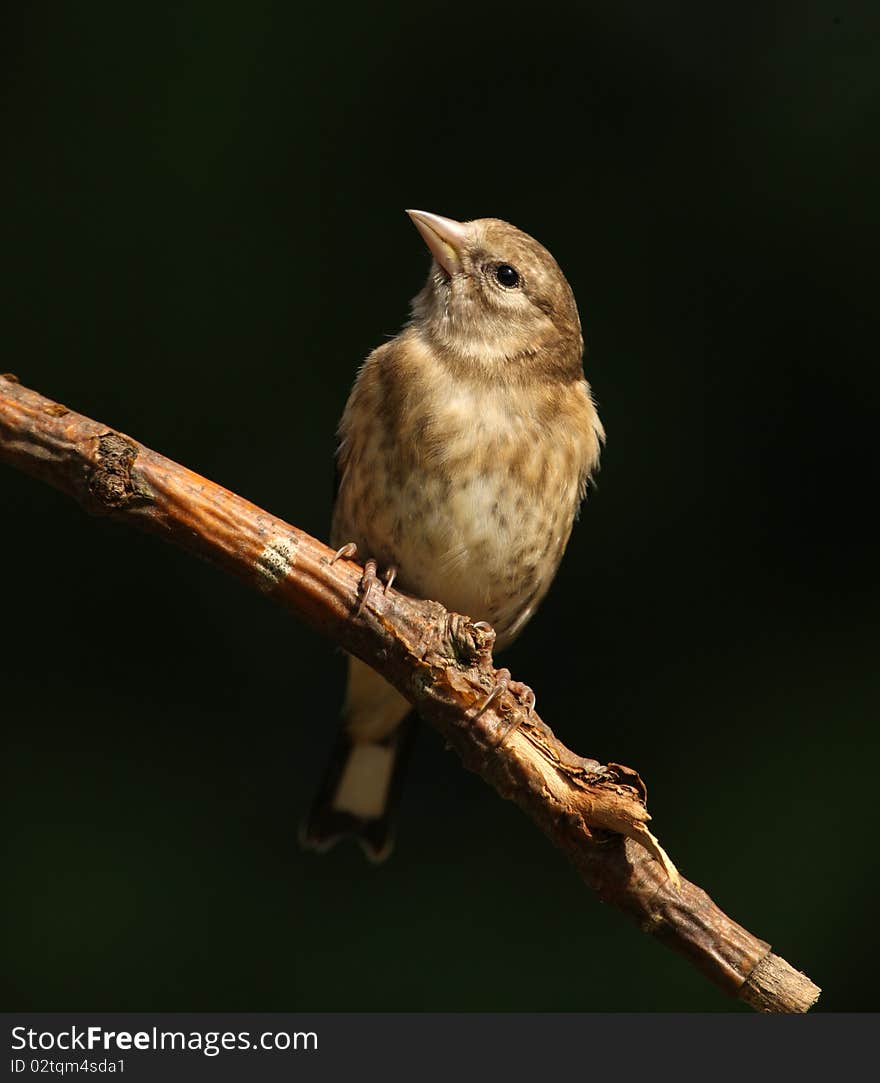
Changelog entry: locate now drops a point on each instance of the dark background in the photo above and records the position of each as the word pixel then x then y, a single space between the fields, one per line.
pixel 203 235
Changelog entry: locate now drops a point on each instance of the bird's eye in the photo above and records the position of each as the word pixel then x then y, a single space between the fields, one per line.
pixel 507 276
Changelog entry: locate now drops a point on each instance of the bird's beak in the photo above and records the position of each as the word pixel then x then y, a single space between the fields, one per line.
pixel 444 236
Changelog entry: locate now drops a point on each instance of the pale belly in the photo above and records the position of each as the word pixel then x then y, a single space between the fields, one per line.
pixel 486 544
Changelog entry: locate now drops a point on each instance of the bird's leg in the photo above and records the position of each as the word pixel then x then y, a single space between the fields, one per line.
pixel 505 683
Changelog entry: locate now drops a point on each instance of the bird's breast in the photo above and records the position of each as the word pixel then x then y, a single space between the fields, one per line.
pixel 472 500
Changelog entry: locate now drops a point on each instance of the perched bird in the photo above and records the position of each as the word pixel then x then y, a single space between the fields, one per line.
pixel 465 450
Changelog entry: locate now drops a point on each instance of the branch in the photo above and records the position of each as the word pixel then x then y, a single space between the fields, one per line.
pixel 440 661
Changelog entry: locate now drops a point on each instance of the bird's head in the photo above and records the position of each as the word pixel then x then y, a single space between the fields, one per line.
pixel 496 299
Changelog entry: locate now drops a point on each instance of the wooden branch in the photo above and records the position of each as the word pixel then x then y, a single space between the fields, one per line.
pixel 440 661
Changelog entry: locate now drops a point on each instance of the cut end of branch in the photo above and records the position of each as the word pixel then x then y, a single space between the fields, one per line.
pixel 775 986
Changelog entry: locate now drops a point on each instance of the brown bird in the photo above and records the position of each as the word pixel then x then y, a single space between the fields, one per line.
pixel 465 451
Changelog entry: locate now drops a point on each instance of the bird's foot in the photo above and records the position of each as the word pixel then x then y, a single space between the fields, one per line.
pixel 505 683
pixel 369 577
pixel 368 580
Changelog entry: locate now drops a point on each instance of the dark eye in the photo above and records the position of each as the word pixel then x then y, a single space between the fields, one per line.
pixel 507 276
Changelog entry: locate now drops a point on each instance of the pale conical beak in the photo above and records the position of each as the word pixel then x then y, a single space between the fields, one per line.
pixel 444 236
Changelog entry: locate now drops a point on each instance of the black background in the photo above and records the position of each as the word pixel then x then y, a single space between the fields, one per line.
pixel 202 237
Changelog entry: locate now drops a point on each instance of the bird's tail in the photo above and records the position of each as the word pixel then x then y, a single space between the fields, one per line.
pixel 364 778
pixel 359 794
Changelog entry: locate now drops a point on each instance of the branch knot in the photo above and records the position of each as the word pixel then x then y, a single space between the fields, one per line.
pixel 110 480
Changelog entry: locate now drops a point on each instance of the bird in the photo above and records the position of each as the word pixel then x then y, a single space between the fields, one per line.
pixel 464 453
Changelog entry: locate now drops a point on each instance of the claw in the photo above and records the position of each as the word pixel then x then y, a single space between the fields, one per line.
pixel 504 683
pixel 345 552
pixel 500 686
pixel 388 576
pixel 510 728
pixel 367 581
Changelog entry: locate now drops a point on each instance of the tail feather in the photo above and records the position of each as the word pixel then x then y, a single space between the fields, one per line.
pixel 359 793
